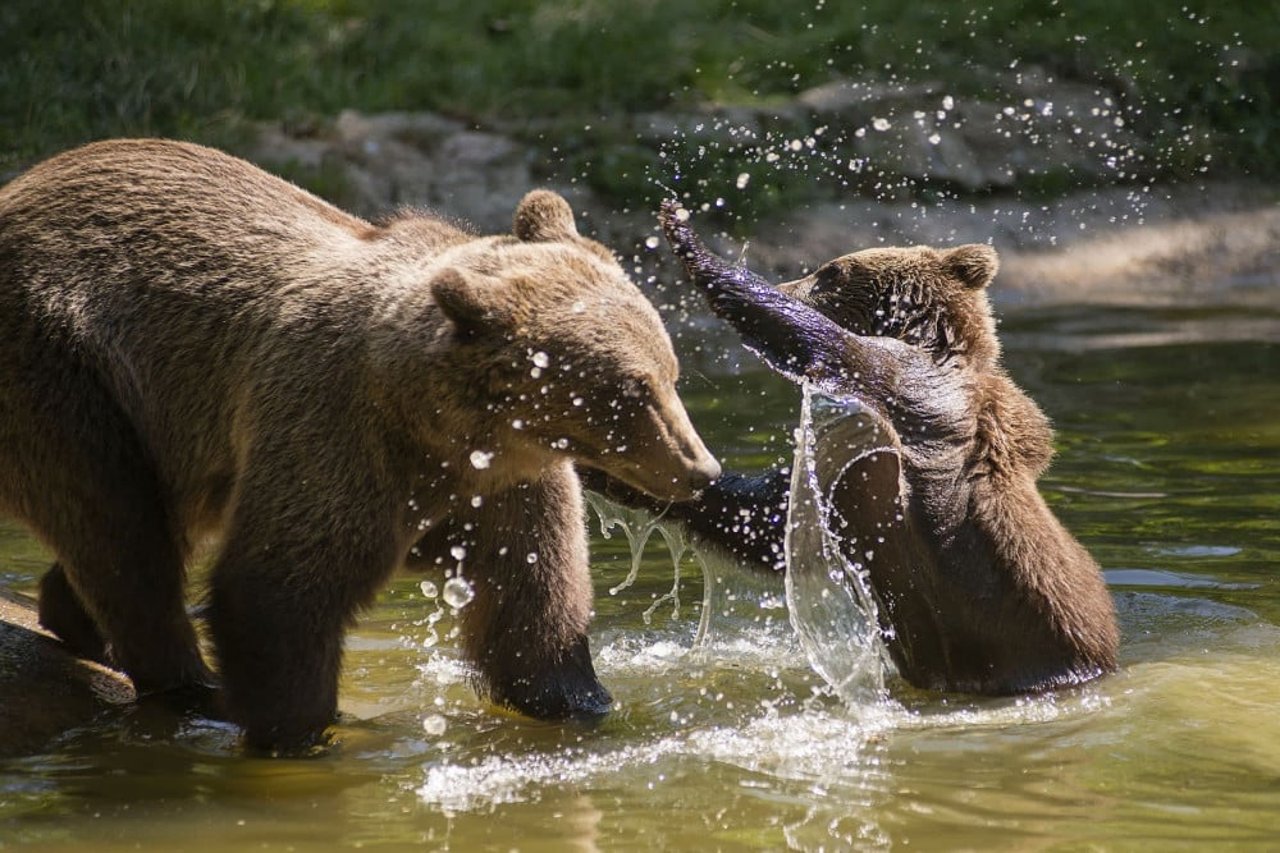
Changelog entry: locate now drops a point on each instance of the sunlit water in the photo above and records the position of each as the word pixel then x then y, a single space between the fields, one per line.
pixel 1169 471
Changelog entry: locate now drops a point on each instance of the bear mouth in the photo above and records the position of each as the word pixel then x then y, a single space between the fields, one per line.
pixel 661 488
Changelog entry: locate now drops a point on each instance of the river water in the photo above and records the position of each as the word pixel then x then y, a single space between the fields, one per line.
pixel 1168 470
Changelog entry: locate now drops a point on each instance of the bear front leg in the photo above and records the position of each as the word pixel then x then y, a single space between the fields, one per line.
pixel 526 629
pixel 285 589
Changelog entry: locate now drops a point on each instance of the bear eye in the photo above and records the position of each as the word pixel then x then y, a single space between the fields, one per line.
pixel 634 388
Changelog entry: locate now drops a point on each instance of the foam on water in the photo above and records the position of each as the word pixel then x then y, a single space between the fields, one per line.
pixel 824 746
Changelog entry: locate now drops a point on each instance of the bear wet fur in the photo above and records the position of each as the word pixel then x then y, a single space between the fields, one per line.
pixel 980 587
pixel 192 350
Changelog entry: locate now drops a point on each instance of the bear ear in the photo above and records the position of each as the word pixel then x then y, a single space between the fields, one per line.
pixel 975 265
pixel 460 301
pixel 544 216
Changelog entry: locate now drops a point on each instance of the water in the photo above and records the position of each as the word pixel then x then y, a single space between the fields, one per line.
pixel 1169 471
pixel 829 597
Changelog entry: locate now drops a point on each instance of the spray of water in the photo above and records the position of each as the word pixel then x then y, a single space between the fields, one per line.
pixel 638 527
pixel 829 598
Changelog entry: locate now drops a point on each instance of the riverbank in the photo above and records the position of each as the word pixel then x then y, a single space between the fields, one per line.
pixel 1200 242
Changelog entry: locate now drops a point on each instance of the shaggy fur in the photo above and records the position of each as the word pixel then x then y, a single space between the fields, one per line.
pixel 192 348
pixel 983 588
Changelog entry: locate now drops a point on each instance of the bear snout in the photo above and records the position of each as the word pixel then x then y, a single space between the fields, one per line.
pixel 705 472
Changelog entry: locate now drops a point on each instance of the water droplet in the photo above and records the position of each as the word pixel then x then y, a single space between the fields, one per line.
pixel 682 215
pixel 458 553
pixel 579 307
pixel 428 589
pixel 540 359
pixel 881 124
pixel 948 102
pixel 477 500
pixel 481 459
pixel 651 242
pixel 531 557
pixel 434 725
pixel 458 593
pixel 517 424
pixel 934 139
pixel 743 179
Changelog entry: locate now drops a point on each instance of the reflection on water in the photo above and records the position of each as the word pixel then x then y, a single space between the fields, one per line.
pixel 1169 472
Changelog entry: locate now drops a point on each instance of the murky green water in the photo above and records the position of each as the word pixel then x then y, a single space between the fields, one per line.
pixel 1169 431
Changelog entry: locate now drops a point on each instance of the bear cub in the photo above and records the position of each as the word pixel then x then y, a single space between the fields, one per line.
pixel 980 587
pixel 191 348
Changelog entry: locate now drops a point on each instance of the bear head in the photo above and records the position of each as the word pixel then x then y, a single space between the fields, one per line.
pixel 934 299
pixel 561 354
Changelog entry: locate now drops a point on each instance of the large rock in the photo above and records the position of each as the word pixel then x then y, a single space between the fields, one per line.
pixel 380 162
pixel 44 690
pixel 1042 129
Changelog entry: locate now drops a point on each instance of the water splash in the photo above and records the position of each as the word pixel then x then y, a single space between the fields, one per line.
pixel 638 526
pixel 829 599
pixel 677 547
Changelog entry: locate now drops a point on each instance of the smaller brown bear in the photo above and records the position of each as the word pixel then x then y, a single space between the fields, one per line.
pixel 980 588
pixel 192 348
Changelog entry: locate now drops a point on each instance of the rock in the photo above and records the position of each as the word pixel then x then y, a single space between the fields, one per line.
pixel 410 159
pixel 1042 128
pixel 44 690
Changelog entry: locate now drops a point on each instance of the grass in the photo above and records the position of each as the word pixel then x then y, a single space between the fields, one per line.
pixel 1202 77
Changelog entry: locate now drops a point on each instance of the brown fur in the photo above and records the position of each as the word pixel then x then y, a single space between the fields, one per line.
pixel 988 593
pixel 190 347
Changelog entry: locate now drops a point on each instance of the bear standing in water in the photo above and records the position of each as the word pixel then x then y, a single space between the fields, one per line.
pixel 192 348
pixel 980 588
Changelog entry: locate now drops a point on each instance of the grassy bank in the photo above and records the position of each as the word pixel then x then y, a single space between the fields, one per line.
pixel 1209 72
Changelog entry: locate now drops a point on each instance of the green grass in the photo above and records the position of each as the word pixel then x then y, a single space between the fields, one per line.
pixel 1205 78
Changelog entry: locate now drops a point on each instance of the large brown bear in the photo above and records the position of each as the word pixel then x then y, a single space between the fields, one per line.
pixel 192 348
pixel 980 588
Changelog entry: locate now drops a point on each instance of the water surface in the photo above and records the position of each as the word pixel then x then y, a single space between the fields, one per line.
pixel 1169 471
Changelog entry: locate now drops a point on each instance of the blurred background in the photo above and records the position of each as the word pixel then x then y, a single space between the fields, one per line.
pixel 810 128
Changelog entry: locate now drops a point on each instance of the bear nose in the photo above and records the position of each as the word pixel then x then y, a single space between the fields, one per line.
pixel 704 475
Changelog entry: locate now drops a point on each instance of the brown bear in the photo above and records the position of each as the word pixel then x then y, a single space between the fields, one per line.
pixel 191 349
pixel 980 588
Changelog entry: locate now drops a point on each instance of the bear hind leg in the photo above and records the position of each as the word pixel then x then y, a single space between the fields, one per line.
pixel 76 473
pixel 122 568
pixel 62 613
